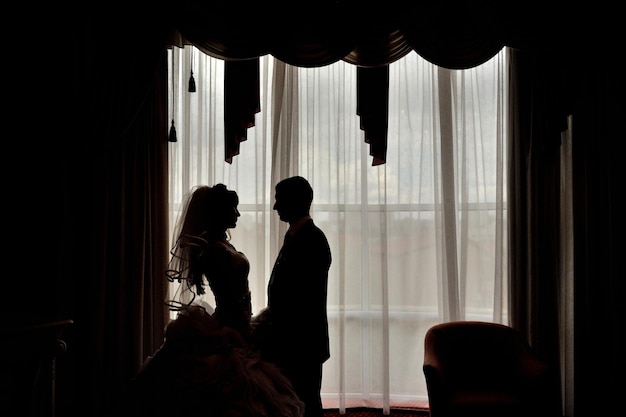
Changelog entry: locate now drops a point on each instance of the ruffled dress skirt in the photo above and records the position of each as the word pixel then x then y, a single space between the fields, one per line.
pixel 204 369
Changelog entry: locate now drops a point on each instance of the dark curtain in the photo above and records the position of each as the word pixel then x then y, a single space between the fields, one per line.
pixel 126 315
pixel 547 85
pixel 113 284
pixel 599 269
pixel 112 281
pixel 536 121
pixel 242 102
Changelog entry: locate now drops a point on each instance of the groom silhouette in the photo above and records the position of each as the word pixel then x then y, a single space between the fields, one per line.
pixel 297 294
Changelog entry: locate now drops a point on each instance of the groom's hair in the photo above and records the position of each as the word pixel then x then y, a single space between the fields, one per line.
pixel 299 191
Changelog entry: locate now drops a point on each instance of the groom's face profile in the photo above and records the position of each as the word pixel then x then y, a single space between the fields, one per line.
pixel 283 207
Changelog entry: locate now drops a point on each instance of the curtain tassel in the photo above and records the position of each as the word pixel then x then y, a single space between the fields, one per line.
pixel 172 135
pixel 192 83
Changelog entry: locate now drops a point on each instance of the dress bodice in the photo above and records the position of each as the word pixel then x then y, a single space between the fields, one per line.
pixel 226 270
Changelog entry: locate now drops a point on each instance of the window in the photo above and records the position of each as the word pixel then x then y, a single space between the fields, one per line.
pixel 418 240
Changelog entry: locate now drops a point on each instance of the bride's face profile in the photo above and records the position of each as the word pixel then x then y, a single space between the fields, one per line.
pixel 230 217
pixel 230 213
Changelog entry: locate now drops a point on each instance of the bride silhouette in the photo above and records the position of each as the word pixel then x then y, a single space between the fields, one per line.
pixel 208 363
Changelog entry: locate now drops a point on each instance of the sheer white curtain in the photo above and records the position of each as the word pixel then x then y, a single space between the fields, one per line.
pixel 416 241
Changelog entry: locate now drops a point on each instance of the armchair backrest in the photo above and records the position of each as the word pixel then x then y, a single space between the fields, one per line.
pixel 488 365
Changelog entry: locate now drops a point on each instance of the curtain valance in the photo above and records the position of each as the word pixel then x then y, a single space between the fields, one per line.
pixel 454 34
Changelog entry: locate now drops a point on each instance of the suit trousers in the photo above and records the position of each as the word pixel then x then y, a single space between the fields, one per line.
pixel 306 379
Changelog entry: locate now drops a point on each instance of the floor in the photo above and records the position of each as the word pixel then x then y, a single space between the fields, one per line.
pixel 369 412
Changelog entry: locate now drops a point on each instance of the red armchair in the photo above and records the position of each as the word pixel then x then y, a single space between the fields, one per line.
pixel 475 368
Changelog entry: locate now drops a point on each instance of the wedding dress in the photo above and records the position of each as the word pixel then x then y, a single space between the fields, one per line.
pixel 206 369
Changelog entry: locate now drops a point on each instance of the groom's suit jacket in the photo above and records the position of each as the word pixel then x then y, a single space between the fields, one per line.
pixel 297 294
